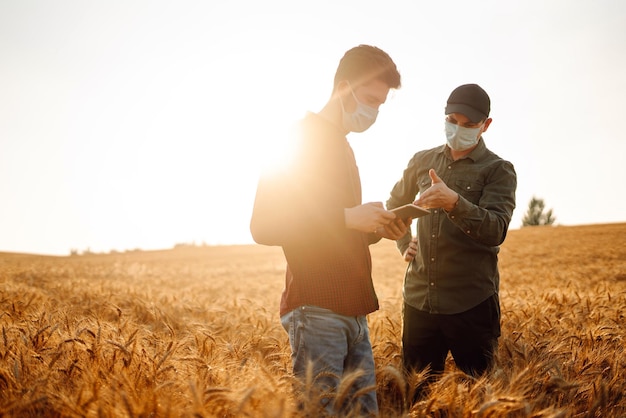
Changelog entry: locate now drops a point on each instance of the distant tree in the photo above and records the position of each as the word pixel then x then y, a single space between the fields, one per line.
pixel 535 214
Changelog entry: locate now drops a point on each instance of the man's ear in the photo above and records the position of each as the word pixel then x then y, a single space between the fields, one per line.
pixel 344 93
pixel 343 88
pixel 487 123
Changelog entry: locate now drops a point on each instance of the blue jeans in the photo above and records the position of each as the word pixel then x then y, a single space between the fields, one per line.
pixel 334 345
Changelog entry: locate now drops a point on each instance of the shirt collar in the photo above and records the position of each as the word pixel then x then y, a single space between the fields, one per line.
pixel 475 155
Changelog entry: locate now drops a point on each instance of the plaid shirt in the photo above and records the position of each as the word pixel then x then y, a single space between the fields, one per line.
pixel 456 266
pixel 301 209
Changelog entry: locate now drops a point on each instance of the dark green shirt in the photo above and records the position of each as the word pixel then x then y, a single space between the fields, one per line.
pixel 456 267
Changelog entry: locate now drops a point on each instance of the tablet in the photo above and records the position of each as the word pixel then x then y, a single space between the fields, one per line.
pixel 410 211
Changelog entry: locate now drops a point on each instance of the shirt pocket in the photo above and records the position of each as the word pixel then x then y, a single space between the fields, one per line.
pixel 471 190
pixel 423 183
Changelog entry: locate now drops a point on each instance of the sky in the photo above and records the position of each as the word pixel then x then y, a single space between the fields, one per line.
pixel 145 124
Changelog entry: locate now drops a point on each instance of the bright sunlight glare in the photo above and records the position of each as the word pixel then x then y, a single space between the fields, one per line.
pixel 144 124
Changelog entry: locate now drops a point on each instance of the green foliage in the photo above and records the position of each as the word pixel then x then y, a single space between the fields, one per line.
pixel 536 214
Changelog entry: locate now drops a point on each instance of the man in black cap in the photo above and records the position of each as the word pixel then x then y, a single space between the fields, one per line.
pixel 451 286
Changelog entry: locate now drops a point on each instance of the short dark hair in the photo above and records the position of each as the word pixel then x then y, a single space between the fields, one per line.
pixel 365 63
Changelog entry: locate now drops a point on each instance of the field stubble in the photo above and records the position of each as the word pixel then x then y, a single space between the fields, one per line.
pixel 195 332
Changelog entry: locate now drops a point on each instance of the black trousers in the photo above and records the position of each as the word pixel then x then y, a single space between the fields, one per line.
pixel 471 337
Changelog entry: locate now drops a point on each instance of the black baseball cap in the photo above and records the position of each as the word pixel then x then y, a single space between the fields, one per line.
pixel 470 100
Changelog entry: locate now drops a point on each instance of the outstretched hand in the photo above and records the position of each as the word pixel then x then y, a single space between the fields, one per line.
pixel 439 195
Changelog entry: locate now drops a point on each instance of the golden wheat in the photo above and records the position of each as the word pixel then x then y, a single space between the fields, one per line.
pixel 194 332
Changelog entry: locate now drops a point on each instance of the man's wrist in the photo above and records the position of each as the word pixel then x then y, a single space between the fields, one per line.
pixel 456 203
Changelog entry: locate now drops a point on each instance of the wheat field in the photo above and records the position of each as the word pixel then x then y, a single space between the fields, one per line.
pixel 194 332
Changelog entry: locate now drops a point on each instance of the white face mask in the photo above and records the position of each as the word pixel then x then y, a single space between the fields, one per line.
pixel 362 118
pixel 461 138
